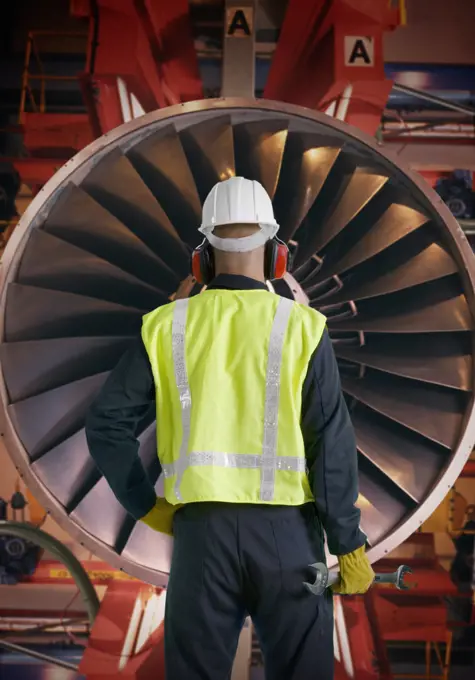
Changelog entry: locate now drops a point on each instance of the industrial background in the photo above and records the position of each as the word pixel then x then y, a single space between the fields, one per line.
pixel 358 116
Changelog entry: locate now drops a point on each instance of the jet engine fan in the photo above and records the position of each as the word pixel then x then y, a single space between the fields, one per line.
pixel 373 247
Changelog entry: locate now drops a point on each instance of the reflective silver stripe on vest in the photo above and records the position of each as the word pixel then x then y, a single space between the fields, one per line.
pixel 181 377
pixel 268 461
pixel 271 413
pixel 247 461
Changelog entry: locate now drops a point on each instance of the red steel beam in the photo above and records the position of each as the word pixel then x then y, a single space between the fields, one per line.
pixel 167 26
pixel 70 132
pixel 364 624
pixel 127 639
pixel 120 50
pixel 359 651
pixel 148 45
pixel 101 96
pixel 411 618
pixel 469 469
pixel 35 171
pixel 315 58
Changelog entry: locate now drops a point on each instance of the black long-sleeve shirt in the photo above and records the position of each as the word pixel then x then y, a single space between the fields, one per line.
pixel 330 445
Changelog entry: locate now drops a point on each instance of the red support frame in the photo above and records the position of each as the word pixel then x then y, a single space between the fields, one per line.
pixel 167 26
pixel 35 171
pixel 140 52
pixel 365 624
pixel 469 469
pixel 65 133
pixel 312 64
pixel 146 44
pixel 359 649
pixel 126 640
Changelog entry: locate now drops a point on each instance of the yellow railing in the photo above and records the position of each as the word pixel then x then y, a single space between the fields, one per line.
pixel 33 60
pixel 403 12
pixel 401 4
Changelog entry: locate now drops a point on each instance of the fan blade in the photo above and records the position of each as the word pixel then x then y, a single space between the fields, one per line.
pixel 432 358
pixel 36 366
pixel 409 460
pixel 432 308
pixel 434 412
pixel 114 527
pixel 306 166
pixel 397 222
pixel 389 276
pixel 362 186
pixel 259 148
pixel 161 163
pixel 49 262
pixel 209 149
pixel 116 185
pixel 67 470
pixel 379 509
pixel 47 419
pixel 38 314
pixel 77 218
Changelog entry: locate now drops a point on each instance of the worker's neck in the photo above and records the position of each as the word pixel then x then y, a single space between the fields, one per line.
pixel 249 272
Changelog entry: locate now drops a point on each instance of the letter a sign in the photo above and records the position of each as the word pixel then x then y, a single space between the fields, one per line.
pixel 359 50
pixel 239 22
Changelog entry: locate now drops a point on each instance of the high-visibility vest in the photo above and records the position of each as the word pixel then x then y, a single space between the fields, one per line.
pixel 229 366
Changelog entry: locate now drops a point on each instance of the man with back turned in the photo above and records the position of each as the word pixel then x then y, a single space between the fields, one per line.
pixel 256 448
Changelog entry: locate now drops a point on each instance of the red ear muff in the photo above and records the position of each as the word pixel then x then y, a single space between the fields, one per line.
pixel 276 259
pixel 196 266
pixel 202 263
pixel 281 260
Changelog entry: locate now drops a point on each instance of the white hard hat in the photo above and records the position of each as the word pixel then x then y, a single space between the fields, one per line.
pixel 238 201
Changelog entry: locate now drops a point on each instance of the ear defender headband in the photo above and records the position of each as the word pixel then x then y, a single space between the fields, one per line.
pixel 276 257
pixel 238 200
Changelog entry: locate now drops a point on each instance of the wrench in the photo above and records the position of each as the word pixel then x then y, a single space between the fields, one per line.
pixel 325 578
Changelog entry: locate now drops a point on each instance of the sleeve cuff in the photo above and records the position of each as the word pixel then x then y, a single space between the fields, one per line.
pixel 347 545
pixel 141 499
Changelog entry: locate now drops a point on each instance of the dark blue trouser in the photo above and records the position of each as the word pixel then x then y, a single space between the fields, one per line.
pixel 230 561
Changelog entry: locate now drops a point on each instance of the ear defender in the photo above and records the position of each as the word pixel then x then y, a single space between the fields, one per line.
pixel 276 259
pixel 202 263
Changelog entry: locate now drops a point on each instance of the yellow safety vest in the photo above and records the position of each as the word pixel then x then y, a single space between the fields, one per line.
pixel 229 366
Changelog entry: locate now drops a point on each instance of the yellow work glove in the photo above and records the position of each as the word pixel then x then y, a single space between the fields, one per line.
pixel 161 516
pixel 356 573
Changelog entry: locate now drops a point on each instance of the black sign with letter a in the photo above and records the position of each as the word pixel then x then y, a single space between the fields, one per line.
pixel 239 23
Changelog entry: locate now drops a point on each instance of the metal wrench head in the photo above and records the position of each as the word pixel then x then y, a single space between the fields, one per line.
pixel 321 579
pixel 400 574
